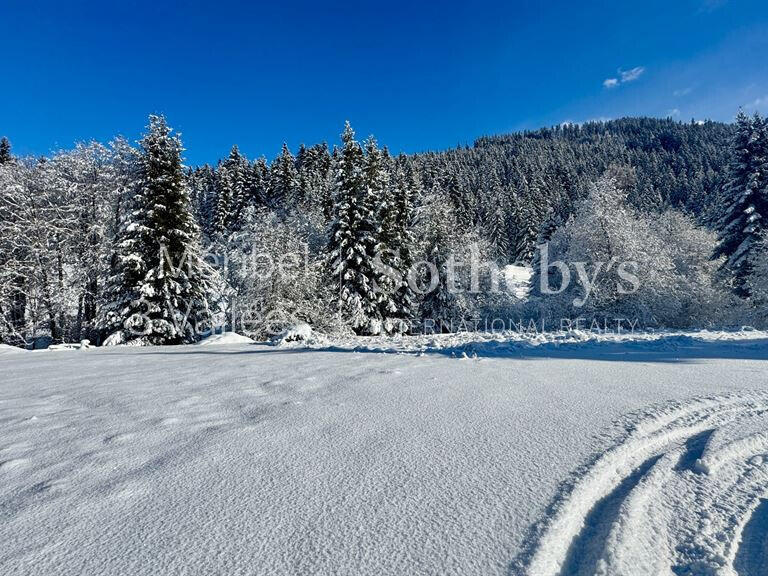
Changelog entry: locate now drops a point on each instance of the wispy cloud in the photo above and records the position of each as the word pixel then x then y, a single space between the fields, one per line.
pixel 673 113
pixel 624 76
pixel 711 5
pixel 758 103
pixel 631 75
pixel 683 91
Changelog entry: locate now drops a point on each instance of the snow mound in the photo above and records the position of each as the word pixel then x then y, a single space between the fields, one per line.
pixel 7 349
pixel 298 334
pixel 225 338
pixel 83 345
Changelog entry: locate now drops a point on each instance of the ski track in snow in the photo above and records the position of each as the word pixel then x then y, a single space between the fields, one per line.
pixel 682 493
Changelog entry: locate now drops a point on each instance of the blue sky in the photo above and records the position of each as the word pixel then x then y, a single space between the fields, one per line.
pixel 419 76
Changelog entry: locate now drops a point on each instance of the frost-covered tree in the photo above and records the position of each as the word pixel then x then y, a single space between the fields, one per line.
pixel 274 277
pixel 617 263
pixel 396 244
pixel 352 240
pixel 436 221
pixel 159 288
pixel 283 181
pixel 5 151
pixel 746 199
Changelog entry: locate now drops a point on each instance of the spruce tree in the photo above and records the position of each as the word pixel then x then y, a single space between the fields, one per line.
pixel 158 291
pixel 223 204
pixel 397 241
pixel 237 168
pixel 283 181
pixel 746 199
pixel 5 151
pixel 352 241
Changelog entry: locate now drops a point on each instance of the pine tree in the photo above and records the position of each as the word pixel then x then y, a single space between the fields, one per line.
pixel 202 186
pixel 257 183
pixel 495 227
pixel 159 288
pixel 746 197
pixel 352 242
pixel 283 181
pixel 5 151
pixel 223 207
pixel 236 170
pixel 397 242
pixel 437 222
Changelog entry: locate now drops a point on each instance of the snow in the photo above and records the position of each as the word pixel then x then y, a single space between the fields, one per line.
pixel 300 333
pixel 83 345
pixel 518 280
pixel 7 349
pixel 566 453
pixel 226 338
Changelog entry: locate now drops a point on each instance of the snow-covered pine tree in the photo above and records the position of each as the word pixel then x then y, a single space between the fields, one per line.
pixel 160 286
pixel 202 185
pixel 257 183
pixel 553 222
pixel 437 223
pixel 531 210
pixel 5 151
pixel 380 194
pixel 352 241
pixel 398 242
pixel 746 197
pixel 495 227
pixel 237 170
pixel 283 181
pixel 223 206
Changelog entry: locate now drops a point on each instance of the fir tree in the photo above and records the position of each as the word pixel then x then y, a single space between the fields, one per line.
pixel 223 209
pixel 283 181
pixel 746 197
pixel 236 170
pixel 5 151
pixel 352 242
pixel 397 241
pixel 159 288
pixel 438 223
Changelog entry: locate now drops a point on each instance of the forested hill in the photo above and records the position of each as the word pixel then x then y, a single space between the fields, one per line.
pixel 507 186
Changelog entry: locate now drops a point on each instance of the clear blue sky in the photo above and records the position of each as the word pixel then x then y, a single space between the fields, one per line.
pixel 418 75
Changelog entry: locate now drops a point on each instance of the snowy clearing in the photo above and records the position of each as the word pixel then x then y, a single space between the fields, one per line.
pixel 566 454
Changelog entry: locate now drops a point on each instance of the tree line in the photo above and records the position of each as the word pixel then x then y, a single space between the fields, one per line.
pixel 124 244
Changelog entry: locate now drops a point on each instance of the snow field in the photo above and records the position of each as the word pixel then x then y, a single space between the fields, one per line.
pixel 567 455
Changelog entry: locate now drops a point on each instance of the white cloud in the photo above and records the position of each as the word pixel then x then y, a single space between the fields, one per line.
pixel 759 102
pixel 631 75
pixel 673 112
pixel 683 91
pixel 624 77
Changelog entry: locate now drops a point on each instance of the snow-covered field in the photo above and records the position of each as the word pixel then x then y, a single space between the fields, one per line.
pixel 564 454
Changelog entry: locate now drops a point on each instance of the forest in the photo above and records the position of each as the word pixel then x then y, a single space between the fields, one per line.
pixel 656 221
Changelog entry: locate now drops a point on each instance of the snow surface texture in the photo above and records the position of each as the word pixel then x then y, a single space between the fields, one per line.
pixel 573 455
